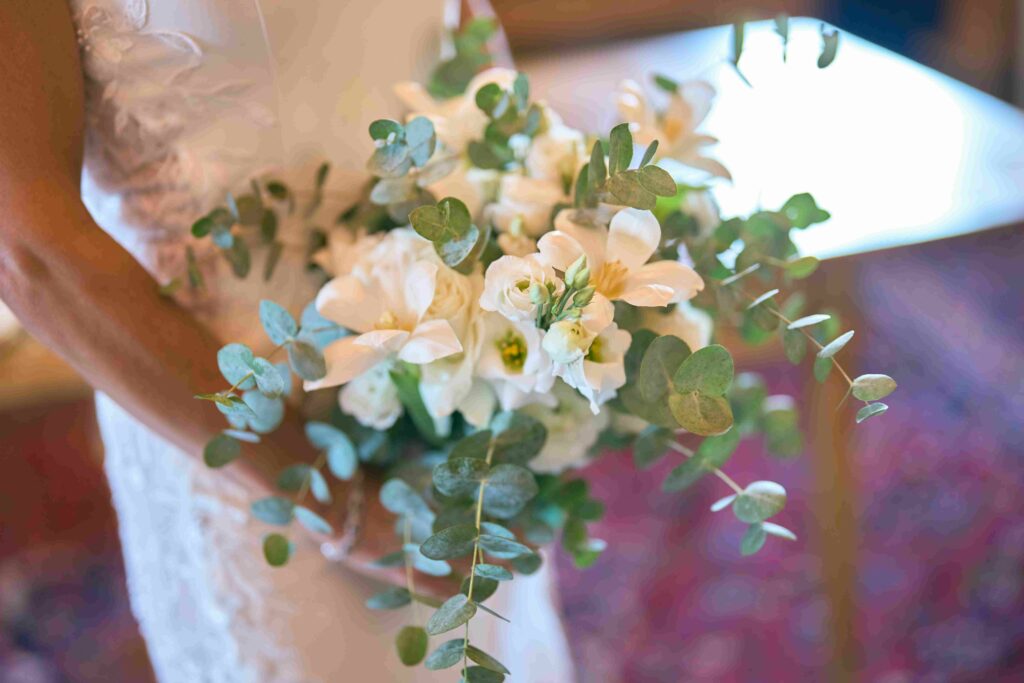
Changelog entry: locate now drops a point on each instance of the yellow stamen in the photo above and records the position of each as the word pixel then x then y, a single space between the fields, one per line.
pixel 610 279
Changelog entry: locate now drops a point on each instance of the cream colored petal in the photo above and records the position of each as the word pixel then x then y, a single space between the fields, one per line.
pixel 344 300
pixel 346 359
pixel 559 250
pixel 682 281
pixel 633 236
pixel 429 341
pixel 420 283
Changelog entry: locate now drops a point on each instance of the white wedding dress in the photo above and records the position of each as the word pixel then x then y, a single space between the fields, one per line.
pixel 187 99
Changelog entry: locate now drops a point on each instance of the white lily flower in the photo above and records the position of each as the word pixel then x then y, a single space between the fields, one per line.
pixel 675 128
pixel 507 285
pixel 617 257
pixel 526 203
pixel 513 361
pixel 384 300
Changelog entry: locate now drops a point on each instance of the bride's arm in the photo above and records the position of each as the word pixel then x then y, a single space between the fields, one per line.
pixel 72 286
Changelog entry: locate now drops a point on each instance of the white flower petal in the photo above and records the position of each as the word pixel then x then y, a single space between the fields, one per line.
pixel 680 278
pixel 632 237
pixel 346 359
pixel 420 283
pixel 559 250
pixel 345 301
pixel 429 341
pixel 388 341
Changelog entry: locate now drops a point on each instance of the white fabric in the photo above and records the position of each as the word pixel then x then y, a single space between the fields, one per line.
pixel 186 99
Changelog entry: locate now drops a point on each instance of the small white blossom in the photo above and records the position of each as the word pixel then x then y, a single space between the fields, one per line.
pixel 572 430
pixel 528 202
pixel 513 361
pixel 507 286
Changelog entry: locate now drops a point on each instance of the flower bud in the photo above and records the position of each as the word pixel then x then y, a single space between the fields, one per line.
pixel 539 294
pixel 582 279
pixel 566 341
pixel 573 270
pixel 583 297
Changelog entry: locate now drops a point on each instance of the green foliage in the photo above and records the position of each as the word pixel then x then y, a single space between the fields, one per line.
pixel 277 549
pixel 485 660
pixel 221 450
pixel 340 452
pixel 447 655
pixel 450 228
pixel 759 501
pixel 279 325
pixel 392 598
pixel 493 572
pixel 701 382
pixel 411 644
pixel 808 321
pixel 273 510
pixel 479 674
pixel 509 487
pixel 872 387
pixel 501 547
pixel 829 47
pixel 312 521
pixel 400 148
pixel 652 443
pixel 306 360
pixel 802 211
pixel 518 437
pixel 753 539
pixel 450 543
pixel 451 77
pixel 455 612
pixel 870 410
pixel 406 378
pixel 713 452
pixel 836 345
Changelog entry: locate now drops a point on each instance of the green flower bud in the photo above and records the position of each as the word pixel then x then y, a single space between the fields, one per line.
pixel 539 294
pixel 573 270
pixel 583 297
pixel 582 278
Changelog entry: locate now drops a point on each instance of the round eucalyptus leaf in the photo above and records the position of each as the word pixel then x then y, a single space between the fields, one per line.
pixel 483 588
pixel 626 190
pixel 722 503
pixel 420 136
pixel 455 612
pixel 267 413
pixel 753 539
pixel 870 410
pixel 778 530
pixel 485 660
pixel 381 129
pixel 447 655
pixel 761 299
pixel 306 360
pixel 278 323
pixel 701 414
pixel 312 521
pixel 268 378
pixel 400 498
pixel 221 450
pixel 393 191
pixel 294 477
pixel 390 161
pixel 794 343
pixel 428 222
pixel 411 644
pixel 658 181
pixel 518 437
pixel 759 501
pixel 509 488
pixel 502 548
pixel 708 370
pixel 449 543
pixel 459 477
pixel 341 453
pixel 392 598
pixel 234 361
pixel 873 387
pixel 455 251
pixel 836 345
pixel 479 674
pixel 475 445
pixel 273 510
pixel 277 550
pixel 620 148
pixel 663 357
pixel 822 368
pixel 493 571
pixel 802 267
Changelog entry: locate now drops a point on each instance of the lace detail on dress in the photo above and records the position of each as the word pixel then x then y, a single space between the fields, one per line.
pixel 170 127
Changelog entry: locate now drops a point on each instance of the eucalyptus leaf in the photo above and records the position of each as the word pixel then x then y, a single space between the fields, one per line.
pixel 306 360
pixel 447 655
pixel 802 267
pixel 341 453
pixel 266 413
pixel 753 539
pixel 708 371
pixel 808 321
pixel 392 598
pixel 494 572
pixel 657 180
pixel 392 160
pixel 455 612
pixel 411 644
pixel 701 414
pixel 400 498
pixel 794 343
pixel 759 501
pixel 485 660
pixel 652 443
pixel 475 445
pixel 421 139
pixel 620 148
pixel 277 550
pixel 273 510
pixel 870 410
pixel 460 477
pixel 268 379
pixel 822 368
pixel 836 345
pixel 502 548
pixel 450 543
pixel 312 520
pixel 663 358
pixel 598 172
pixel 625 189
pixel 518 437
pixel 381 129
pixel 873 387
pixel 235 363
pixel 778 531
pixel 509 487
pixel 221 450
pixel 483 588
pixel 802 211
pixel 479 674
pixel 722 503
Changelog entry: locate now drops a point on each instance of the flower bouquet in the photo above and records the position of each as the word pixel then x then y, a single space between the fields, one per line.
pixel 511 297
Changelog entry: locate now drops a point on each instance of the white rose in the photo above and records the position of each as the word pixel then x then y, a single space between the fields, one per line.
pixel 557 153
pixel 507 286
pixel 528 202
pixel 572 431
pixel 690 324
pixel 372 399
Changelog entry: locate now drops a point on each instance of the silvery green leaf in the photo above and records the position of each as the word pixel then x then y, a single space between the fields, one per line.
pixel 651 445
pixel 222 237
pixel 421 139
pixel 795 345
pixel 429 222
pixel 509 488
pixel 873 387
pixel 381 129
pixel 526 564
pixel 239 258
pixel 449 543
pixel 237 410
pixel 390 161
pixel 518 437
pixel 822 368
pixel 411 644
pixel 273 510
pixel 649 153
pixel 476 445
pixel 701 414
pixel 400 498
pixel 759 501
pixel 202 227
pixel 735 277
pixel 478 674
pixel 620 148
pixel 447 655
pixel 489 97
pixel 268 378
pixel 753 539
pixel 626 189
pixel 482 588
pixel 521 89
pixel 722 503
pixel 761 299
pixel 393 191
pixel 318 330
pixel 422 563
pixel 658 181
pixel 456 251
pixel 278 323
pixel 459 477
pixel 391 560
pixel 496 530
pixel 341 453
pixel 312 521
pixel 870 410
pixel 494 572
pixel 221 450
pixel 267 412
pixel 455 612
pixel 293 477
pixel 598 172
pixel 392 598
pixel 437 170
pixel 306 360
pixel 808 320
pixel 713 452
pixel 502 548
pixel 802 267
pixel 485 660
pixel 235 362
pixel 833 347
pixel 779 531
pixel 662 359
pixel 248 437
pixel 708 371
pixel 277 549
pixel 829 47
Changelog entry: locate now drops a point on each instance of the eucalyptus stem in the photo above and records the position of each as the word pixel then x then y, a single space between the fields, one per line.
pixel 476 554
pixel 680 448
pixel 304 488
pixel 409 581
